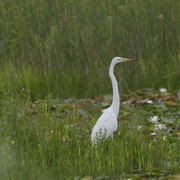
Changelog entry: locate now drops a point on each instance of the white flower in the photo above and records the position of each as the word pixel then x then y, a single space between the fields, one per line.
pixel 150 102
pixel 161 16
pixel 69 126
pixel 153 134
pixel 164 138
pixel 163 90
pixel 159 126
pixel 139 127
pixel 154 119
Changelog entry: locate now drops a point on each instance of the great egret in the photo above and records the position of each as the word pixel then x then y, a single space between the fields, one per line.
pixel 107 122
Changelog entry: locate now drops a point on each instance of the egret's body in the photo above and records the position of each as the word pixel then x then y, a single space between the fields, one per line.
pixel 107 122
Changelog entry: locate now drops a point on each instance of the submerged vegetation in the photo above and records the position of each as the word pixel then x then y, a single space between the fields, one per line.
pixel 65 47
pixel 50 139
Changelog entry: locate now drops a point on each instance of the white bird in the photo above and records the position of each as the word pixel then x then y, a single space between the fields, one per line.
pixel 107 122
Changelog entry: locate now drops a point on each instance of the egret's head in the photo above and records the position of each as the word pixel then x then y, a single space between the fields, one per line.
pixel 120 59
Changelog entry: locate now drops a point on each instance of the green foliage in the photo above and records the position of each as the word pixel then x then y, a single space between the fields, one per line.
pixel 67 46
pixel 61 48
pixel 50 139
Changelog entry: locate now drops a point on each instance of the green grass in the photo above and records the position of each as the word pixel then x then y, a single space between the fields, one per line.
pixel 50 139
pixel 65 47
pixel 56 50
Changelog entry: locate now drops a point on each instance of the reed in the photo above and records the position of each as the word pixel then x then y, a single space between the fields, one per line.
pixel 50 139
pixel 66 47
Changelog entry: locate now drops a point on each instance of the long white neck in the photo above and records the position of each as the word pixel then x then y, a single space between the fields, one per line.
pixel 115 102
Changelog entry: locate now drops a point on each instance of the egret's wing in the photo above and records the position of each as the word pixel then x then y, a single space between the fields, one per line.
pixel 106 124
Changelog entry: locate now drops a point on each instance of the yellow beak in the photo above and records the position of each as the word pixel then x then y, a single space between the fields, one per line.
pixel 125 59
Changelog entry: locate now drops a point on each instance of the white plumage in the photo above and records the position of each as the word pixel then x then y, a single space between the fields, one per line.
pixel 105 125
pixel 107 122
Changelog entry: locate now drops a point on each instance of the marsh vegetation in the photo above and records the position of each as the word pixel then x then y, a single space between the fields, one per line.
pixel 54 83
